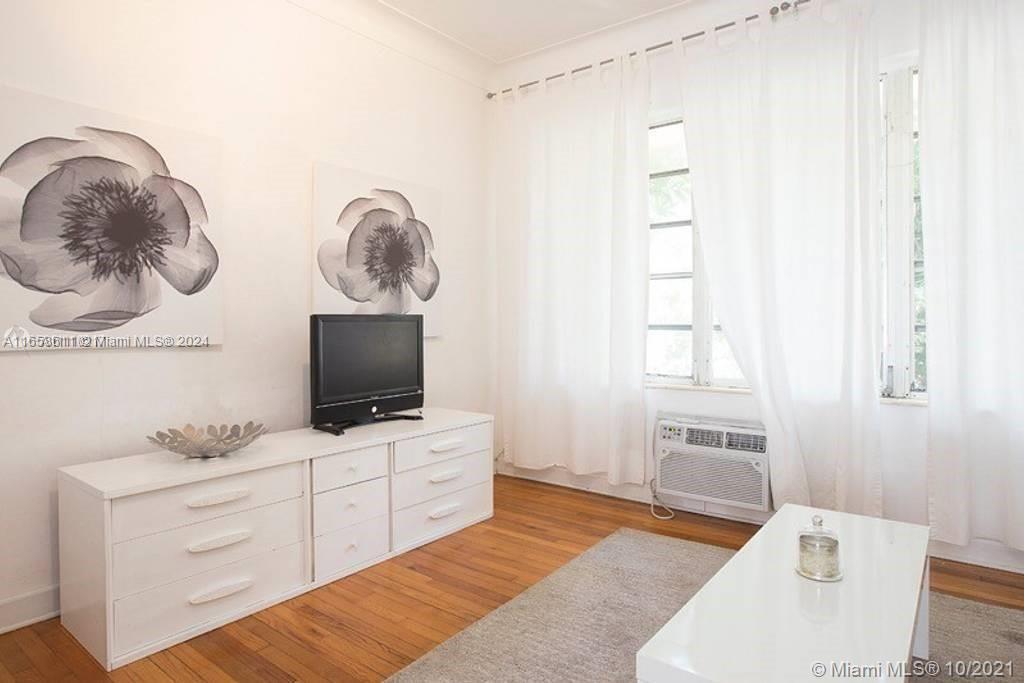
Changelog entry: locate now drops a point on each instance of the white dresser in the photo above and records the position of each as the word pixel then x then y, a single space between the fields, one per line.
pixel 155 549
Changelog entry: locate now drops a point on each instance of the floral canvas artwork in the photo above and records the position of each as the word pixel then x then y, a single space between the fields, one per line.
pixel 374 246
pixel 108 226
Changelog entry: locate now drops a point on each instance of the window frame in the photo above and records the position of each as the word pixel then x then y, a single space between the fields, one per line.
pixel 702 327
pixel 900 204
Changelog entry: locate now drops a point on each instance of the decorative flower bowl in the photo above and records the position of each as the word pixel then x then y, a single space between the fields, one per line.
pixel 212 442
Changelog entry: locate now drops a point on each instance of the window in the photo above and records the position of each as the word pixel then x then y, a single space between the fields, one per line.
pixel 905 335
pixel 685 343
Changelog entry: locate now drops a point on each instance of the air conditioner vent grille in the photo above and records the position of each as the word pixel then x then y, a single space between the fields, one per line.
pixel 740 441
pixel 724 478
pixel 704 437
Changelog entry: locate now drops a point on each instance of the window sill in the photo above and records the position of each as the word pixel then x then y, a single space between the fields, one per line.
pixel 904 401
pixel 696 387
pixel 921 402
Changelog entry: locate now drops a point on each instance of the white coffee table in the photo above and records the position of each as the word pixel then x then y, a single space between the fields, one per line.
pixel 757 620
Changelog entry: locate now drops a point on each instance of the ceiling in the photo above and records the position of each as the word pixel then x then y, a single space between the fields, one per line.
pixel 500 30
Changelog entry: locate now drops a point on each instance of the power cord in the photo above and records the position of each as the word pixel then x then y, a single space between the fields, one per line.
pixel 656 500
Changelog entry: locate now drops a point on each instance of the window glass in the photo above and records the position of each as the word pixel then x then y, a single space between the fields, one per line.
pixel 667 150
pixel 671 250
pixel 669 198
pixel 670 302
pixel 919 382
pixel 670 353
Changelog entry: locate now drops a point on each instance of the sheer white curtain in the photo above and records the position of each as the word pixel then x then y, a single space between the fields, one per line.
pixel 569 200
pixel 782 133
pixel 972 175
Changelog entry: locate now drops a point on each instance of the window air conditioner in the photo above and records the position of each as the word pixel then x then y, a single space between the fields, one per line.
pixel 713 461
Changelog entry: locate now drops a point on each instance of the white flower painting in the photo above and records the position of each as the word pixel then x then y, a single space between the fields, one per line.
pixel 374 246
pixel 108 226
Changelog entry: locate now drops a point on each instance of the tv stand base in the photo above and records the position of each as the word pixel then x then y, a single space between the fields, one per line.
pixel 338 428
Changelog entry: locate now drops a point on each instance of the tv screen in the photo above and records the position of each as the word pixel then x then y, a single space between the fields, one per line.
pixel 365 365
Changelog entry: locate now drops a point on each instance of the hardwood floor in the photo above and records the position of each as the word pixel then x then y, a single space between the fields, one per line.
pixel 369 625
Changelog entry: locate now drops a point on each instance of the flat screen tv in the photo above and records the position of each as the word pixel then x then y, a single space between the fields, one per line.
pixel 364 367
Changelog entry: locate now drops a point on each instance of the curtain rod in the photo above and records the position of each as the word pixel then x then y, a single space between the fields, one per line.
pixel 785 6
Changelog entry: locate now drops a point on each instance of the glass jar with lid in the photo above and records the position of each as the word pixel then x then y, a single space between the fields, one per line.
pixel 819 552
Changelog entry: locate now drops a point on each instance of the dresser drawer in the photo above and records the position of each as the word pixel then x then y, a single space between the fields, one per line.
pixel 148 513
pixel 162 612
pixel 426 450
pixel 436 517
pixel 424 483
pixel 161 558
pixel 337 551
pixel 343 469
pixel 337 509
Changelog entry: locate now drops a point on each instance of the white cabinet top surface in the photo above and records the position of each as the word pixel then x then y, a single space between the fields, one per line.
pixel 758 620
pixel 161 469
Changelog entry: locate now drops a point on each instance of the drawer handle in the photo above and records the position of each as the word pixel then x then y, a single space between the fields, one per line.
pixel 219 542
pixel 353 467
pixel 441 513
pixel 449 445
pixel 220 592
pixel 352 504
pixel 217 498
pixel 446 476
pixel 354 545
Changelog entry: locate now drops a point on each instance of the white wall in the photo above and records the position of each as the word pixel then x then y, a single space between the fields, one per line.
pixel 281 87
pixel 904 425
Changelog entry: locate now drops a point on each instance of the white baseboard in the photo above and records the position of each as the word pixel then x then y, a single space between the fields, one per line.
pixel 29 608
pixel 984 553
pixel 595 483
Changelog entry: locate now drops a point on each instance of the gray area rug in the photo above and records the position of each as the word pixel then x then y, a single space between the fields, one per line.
pixel 586 621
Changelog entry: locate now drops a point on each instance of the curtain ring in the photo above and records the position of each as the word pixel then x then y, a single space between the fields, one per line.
pixel 780 8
